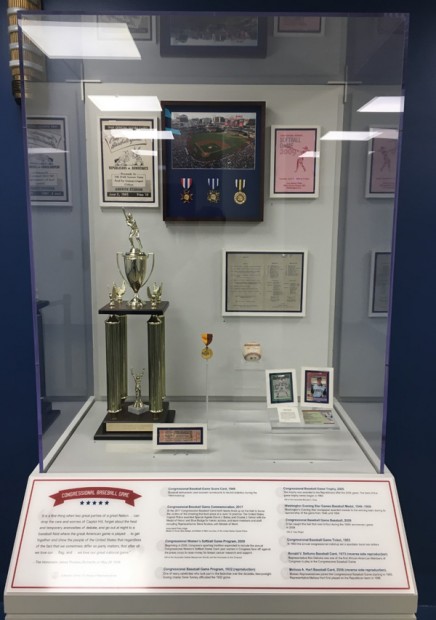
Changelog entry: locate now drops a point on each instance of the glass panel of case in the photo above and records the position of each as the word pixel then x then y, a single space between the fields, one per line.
pixel 260 188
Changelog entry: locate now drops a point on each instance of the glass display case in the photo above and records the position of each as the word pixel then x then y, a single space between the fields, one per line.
pixel 249 162
pixel 212 209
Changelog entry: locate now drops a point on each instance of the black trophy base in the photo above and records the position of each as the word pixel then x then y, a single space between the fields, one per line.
pixel 127 425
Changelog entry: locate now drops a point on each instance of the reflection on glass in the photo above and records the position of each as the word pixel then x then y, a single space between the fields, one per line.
pixel 295 65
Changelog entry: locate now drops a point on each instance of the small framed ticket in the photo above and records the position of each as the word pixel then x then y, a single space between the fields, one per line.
pixel 180 436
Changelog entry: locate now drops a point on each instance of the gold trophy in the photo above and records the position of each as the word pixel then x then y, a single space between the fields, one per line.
pixel 135 262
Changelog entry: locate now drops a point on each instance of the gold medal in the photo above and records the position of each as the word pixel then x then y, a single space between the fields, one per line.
pixel 240 198
pixel 213 196
pixel 186 196
pixel 206 353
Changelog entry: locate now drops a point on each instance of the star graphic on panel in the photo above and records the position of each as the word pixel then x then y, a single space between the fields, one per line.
pixel 88 502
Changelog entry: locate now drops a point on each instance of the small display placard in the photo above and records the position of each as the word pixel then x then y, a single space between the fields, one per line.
pixel 180 436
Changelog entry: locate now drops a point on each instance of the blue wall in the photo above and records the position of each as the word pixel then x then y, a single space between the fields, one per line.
pixel 411 454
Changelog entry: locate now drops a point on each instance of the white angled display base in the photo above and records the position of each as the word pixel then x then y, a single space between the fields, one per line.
pixel 254 536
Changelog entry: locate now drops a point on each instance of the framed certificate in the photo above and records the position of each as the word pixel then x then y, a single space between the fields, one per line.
pixel 317 388
pixel 281 387
pixel 379 286
pixel 268 283
pixel 128 162
pixel 294 162
pixel 213 166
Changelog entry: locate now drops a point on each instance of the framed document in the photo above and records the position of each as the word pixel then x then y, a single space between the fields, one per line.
pixel 379 287
pixel 291 25
pixel 48 154
pixel 381 170
pixel 281 387
pixel 204 36
pixel 264 283
pixel 128 162
pixel 317 388
pixel 213 167
pixel 294 162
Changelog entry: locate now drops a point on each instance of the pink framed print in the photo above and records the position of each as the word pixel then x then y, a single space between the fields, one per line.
pixel 294 162
pixel 381 172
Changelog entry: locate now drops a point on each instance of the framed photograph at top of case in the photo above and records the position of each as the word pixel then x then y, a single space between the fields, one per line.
pixel 213 166
pixel 294 162
pixel 317 388
pixel 128 162
pixel 264 283
pixel 206 36
pixel 381 171
pixel 290 25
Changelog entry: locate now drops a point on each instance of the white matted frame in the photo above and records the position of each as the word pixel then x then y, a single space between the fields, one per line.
pixel 128 161
pixel 49 161
pixel 379 284
pixel 281 387
pixel 264 283
pixel 298 25
pixel 317 387
pixel 294 171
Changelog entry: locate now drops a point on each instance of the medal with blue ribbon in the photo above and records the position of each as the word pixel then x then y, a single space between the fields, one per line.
pixel 213 195
pixel 240 197
pixel 186 195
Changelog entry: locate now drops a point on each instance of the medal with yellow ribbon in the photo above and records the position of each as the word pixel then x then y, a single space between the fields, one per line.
pixel 206 353
pixel 240 197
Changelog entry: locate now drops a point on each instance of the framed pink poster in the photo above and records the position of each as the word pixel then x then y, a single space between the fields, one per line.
pixel 294 162
pixel 381 171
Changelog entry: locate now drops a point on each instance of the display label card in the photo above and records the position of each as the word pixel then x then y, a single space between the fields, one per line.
pixel 229 534
pixel 180 436
pixel 289 415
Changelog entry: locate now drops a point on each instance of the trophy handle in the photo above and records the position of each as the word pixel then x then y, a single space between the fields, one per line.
pixel 118 265
pixel 152 266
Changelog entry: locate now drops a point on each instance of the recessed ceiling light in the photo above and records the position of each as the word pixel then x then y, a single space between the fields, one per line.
pixel 350 135
pixel 384 104
pixel 129 103
pixel 81 39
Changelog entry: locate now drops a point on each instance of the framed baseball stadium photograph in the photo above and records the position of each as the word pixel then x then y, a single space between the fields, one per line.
pixel 213 167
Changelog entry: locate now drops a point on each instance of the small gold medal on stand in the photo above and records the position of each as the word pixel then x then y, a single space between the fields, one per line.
pixel 206 354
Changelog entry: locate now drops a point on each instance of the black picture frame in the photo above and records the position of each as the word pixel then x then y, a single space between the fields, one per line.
pixel 226 36
pixel 213 167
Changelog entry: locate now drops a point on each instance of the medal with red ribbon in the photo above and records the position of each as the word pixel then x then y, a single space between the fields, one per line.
pixel 186 195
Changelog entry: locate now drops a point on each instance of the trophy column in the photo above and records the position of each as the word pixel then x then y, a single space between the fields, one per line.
pixel 120 422
pixel 155 329
pixel 113 364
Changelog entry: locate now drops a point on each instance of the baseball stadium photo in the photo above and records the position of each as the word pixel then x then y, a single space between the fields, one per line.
pixel 218 140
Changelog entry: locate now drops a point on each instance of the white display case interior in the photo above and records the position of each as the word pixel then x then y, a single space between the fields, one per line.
pixel 79 181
